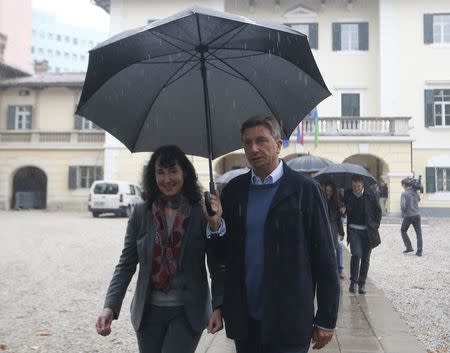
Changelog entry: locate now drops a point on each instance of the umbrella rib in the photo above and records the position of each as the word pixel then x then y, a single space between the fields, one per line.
pixel 240 56
pixel 227 72
pixel 167 84
pixel 156 97
pixel 175 38
pixel 239 29
pixel 174 45
pixel 254 87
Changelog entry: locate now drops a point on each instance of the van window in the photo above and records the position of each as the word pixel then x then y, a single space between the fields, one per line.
pixel 132 191
pixel 106 189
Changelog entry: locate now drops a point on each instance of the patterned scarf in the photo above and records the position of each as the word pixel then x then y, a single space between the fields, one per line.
pixel 167 245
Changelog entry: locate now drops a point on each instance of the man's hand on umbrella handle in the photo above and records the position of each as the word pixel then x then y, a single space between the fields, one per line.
pixel 103 324
pixel 320 338
pixel 213 220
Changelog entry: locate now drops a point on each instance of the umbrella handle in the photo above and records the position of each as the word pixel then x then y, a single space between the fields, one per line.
pixel 209 209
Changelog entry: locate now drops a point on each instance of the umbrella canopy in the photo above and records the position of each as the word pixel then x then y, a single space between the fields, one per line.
pixel 341 174
pixel 192 79
pixel 226 177
pixel 308 163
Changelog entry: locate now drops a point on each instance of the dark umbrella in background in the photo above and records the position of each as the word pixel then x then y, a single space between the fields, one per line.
pixel 191 79
pixel 308 163
pixel 341 174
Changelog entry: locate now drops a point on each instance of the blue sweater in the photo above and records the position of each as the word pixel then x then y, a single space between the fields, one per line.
pixel 259 200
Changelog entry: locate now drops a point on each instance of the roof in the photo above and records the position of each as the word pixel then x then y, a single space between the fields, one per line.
pixel 72 79
pixel 8 71
pixel 104 4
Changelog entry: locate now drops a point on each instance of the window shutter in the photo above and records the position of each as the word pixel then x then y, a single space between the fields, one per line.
pixel 336 36
pixel 430 174
pixel 72 177
pixel 429 105
pixel 363 35
pixel 29 108
pixel 314 35
pixel 10 125
pixel 427 28
pixel 98 173
pixel 78 122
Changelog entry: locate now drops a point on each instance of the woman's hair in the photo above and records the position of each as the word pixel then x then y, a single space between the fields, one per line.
pixel 335 200
pixel 167 156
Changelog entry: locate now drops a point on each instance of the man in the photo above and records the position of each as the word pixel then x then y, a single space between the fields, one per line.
pixel 409 204
pixel 383 196
pixel 363 221
pixel 278 251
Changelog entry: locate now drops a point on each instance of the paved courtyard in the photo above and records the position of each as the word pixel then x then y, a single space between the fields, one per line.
pixel 55 269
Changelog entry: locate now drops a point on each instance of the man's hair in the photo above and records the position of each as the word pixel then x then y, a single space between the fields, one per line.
pixel 268 121
pixel 406 182
pixel 357 177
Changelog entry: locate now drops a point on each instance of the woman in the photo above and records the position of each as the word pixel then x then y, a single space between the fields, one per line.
pixel 336 210
pixel 166 236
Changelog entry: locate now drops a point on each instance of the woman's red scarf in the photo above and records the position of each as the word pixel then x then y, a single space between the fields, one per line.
pixel 167 245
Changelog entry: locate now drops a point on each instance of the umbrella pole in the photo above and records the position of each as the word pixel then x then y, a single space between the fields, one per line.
pixel 208 120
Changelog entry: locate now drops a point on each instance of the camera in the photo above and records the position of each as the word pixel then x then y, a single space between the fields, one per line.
pixel 416 184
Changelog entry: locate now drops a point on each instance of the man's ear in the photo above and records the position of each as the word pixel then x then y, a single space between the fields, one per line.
pixel 279 144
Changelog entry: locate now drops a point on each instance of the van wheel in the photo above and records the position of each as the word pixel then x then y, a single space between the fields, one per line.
pixel 95 214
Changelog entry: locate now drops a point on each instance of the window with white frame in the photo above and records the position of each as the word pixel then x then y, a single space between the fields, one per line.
pixel 438 179
pixel 437 107
pixel 437 28
pixel 19 117
pixel 349 36
pixel 82 177
pixel 85 177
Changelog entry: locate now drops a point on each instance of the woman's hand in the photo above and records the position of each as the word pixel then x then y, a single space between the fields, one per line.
pixel 103 324
pixel 213 221
pixel 215 321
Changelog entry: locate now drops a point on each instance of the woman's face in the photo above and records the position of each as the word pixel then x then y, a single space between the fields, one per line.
pixel 328 192
pixel 169 180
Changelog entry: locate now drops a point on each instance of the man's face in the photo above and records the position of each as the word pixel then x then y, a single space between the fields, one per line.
pixel 261 149
pixel 357 186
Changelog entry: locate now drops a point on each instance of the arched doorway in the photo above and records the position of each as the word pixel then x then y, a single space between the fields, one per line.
pixel 29 189
pixel 376 166
pixel 229 162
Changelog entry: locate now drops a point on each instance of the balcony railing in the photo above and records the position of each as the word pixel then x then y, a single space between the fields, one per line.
pixel 358 126
pixel 52 137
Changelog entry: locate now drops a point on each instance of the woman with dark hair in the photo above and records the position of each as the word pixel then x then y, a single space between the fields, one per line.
pixel 166 236
pixel 336 210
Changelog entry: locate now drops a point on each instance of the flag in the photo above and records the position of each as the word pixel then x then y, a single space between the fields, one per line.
pixel 300 133
pixel 286 143
pixel 315 119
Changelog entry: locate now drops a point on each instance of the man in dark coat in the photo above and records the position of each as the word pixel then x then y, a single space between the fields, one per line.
pixel 278 251
pixel 363 221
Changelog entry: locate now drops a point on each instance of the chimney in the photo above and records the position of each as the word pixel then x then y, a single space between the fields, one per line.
pixel 3 39
pixel 40 67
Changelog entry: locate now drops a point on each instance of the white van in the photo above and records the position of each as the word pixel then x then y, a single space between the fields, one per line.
pixel 113 196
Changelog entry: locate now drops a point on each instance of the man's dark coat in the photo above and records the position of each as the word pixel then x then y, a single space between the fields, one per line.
pixel 299 258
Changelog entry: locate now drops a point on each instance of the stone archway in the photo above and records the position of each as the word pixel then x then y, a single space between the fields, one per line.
pixel 29 189
pixel 229 162
pixel 375 165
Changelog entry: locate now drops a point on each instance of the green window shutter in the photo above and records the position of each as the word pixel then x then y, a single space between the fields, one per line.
pixel 98 173
pixel 427 28
pixel 73 177
pixel 11 118
pixel 430 175
pixel 314 35
pixel 363 29
pixel 78 122
pixel 429 108
pixel 336 36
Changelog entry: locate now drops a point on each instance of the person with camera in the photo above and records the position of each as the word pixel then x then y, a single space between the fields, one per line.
pixel 409 204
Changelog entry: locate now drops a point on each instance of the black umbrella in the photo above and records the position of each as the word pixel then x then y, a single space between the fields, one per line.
pixel 192 79
pixel 308 163
pixel 341 174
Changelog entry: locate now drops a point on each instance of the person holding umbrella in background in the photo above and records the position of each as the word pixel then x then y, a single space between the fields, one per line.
pixel 363 220
pixel 166 237
pixel 278 251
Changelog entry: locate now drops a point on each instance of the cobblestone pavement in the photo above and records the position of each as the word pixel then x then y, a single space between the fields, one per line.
pixel 54 272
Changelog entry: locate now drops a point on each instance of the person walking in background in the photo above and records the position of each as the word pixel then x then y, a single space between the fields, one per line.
pixel 383 196
pixel 409 205
pixel 166 237
pixel 363 221
pixel 279 251
pixel 335 212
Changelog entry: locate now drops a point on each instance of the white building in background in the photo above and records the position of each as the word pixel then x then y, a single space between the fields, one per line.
pixel 64 46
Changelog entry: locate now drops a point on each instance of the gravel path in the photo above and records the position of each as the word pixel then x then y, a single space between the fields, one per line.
pixel 55 269
pixel 418 287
